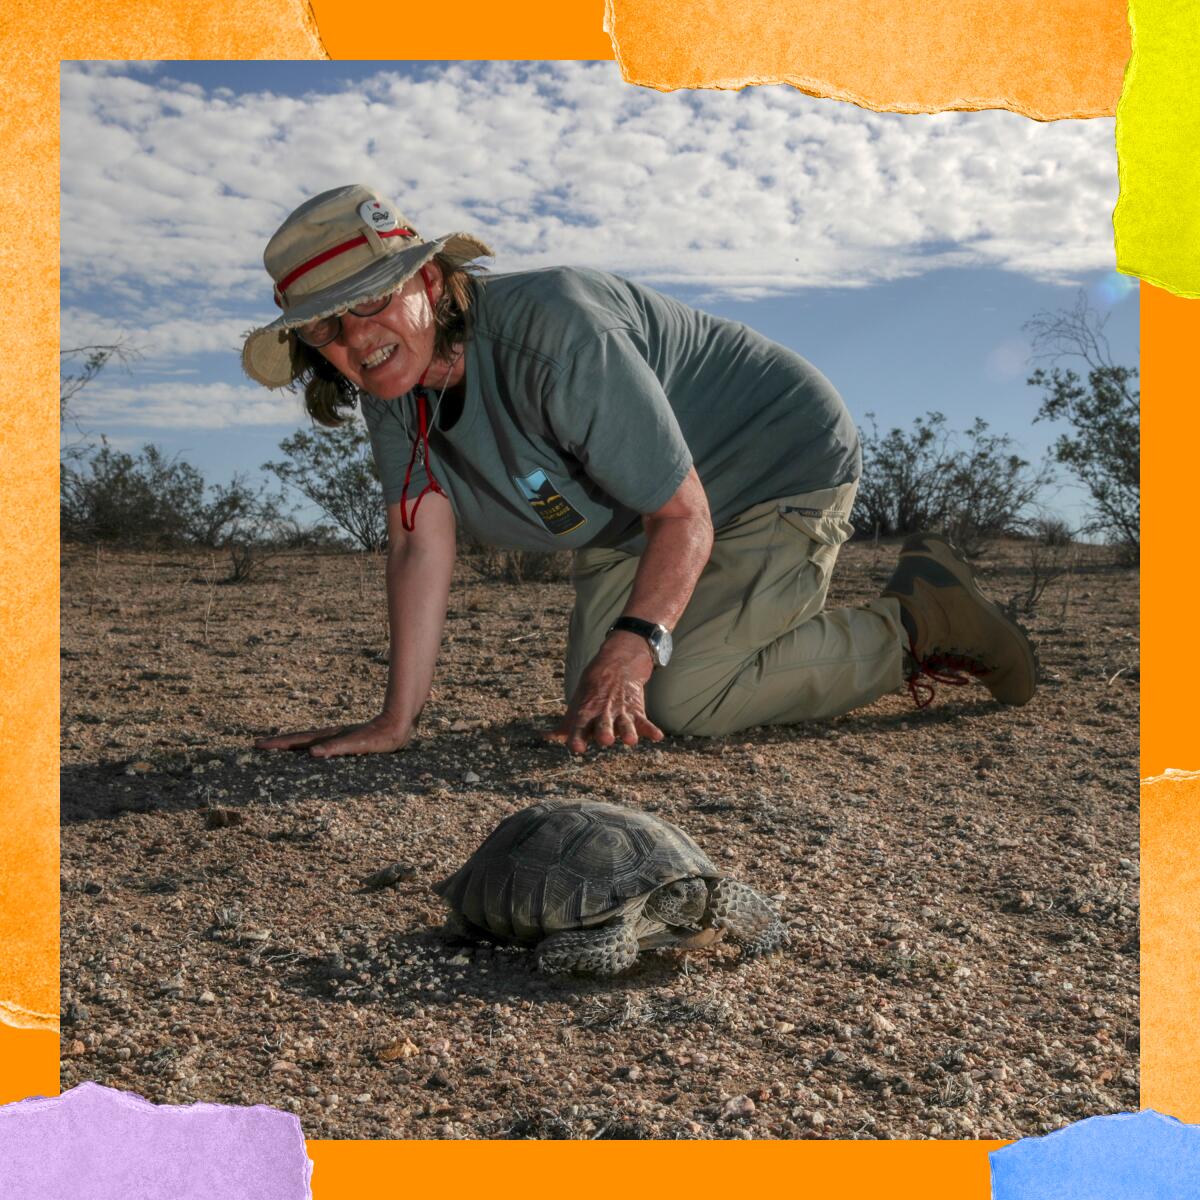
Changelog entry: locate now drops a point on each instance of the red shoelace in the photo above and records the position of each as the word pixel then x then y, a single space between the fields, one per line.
pixel 940 667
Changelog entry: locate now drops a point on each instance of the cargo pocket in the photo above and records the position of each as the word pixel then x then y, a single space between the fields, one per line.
pixel 825 529
pixel 790 574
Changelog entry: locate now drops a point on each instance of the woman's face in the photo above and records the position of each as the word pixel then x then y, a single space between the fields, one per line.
pixel 386 354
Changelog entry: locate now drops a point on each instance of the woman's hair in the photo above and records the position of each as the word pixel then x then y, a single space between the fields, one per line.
pixel 330 398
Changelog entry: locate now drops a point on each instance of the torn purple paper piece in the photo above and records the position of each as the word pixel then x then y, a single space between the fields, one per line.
pixel 1128 1156
pixel 97 1143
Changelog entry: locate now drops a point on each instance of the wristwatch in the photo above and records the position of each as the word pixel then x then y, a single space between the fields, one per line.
pixel 658 636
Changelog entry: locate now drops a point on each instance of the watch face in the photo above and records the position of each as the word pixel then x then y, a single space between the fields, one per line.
pixel 662 645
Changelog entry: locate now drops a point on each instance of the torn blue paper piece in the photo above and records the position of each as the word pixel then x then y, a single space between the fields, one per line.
pixel 97 1143
pixel 1129 1156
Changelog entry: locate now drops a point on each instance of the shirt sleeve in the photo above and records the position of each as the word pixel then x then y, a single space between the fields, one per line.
pixel 391 446
pixel 608 409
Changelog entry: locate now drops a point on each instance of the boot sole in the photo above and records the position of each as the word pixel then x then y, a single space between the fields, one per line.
pixel 948 555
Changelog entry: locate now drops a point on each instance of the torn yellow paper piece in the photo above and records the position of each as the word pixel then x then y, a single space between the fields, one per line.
pixel 1045 61
pixel 1157 219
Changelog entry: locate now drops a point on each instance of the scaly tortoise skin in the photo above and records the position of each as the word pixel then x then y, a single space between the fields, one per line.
pixel 589 885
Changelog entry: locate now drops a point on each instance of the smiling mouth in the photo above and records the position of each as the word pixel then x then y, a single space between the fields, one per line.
pixel 378 357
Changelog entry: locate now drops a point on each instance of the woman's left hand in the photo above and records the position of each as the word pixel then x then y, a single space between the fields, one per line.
pixel 609 703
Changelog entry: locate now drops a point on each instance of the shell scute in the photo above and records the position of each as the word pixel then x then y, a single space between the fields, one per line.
pixel 563 865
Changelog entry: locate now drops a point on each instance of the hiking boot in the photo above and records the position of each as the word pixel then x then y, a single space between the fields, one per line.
pixel 954 630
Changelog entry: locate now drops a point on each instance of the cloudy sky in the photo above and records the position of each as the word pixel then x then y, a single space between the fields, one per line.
pixel 902 254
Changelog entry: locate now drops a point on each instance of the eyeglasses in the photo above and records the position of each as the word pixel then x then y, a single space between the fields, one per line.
pixel 325 329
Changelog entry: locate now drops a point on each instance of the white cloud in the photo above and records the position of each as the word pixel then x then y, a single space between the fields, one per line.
pixel 170 192
pixel 562 162
pixel 176 404
pixel 158 336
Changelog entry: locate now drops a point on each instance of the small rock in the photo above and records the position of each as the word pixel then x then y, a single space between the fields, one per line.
pixel 139 768
pixel 470 777
pixel 389 876
pixel 816 1120
pixel 76 1047
pixel 737 1107
pixel 439 1079
pixel 880 1024
pixel 75 1014
pixel 222 818
pixel 206 997
pixel 283 1067
pixel 631 1073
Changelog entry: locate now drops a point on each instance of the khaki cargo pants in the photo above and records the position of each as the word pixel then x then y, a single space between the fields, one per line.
pixel 753 646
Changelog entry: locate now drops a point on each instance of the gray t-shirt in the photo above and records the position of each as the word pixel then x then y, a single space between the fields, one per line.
pixel 588 399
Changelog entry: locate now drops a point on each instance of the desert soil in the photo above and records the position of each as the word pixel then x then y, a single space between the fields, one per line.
pixel 961 882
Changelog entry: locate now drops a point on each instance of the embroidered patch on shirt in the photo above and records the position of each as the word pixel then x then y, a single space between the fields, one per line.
pixel 557 514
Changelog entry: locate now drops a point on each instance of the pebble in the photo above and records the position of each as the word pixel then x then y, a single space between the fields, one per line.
pixel 471 777
pixel 75 1014
pixel 389 876
pixel 738 1106
pixel 206 998
pixel 222 818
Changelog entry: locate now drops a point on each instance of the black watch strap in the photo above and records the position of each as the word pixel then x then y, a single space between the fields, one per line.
pixel 646 629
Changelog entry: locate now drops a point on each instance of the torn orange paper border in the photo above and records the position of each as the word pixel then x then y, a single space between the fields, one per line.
pixel 1042 60
pixel 35 39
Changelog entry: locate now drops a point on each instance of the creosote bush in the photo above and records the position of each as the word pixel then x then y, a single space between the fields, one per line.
pixel 147 499
pixel 970 486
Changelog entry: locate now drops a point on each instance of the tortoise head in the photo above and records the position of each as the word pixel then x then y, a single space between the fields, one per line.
pixel 680 903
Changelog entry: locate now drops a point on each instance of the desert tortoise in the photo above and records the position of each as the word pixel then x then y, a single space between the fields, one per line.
pixel 590 884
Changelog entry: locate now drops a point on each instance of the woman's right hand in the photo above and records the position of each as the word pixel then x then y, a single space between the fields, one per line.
pixel 381 735
pixel 419 565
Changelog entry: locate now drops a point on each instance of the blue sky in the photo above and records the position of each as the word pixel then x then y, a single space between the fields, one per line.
pixel 901 254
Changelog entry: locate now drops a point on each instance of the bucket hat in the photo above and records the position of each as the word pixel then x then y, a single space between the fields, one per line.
pixel 339 249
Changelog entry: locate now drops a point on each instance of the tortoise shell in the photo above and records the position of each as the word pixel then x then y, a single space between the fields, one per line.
pixel 569 865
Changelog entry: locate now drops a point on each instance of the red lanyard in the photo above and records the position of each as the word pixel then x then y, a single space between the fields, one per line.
pixel 421 441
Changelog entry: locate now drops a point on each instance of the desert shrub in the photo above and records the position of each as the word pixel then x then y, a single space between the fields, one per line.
pixel 1045 562
pixel 970 485
pixel 79 365
pixel 333 469
pixel 1053 531
pixel 514 566
pixel 109 495
pixel 1102 409
pixel 148 499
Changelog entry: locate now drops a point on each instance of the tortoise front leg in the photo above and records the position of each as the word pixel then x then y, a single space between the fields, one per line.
pixel 750 918
pixel 608 950
pixel 456 928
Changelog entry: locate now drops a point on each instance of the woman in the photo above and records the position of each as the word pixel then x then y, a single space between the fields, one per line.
pixel 572 409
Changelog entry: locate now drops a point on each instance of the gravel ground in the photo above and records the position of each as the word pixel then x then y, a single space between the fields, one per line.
pixel 961 882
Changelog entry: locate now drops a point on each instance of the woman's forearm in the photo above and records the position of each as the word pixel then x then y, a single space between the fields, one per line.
pixel 418 590
pixel 679 539
pixel 675 554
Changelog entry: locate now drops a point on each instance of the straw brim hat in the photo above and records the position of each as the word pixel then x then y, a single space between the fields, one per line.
pixel 343 248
